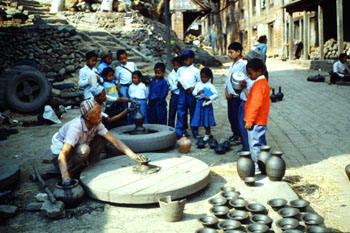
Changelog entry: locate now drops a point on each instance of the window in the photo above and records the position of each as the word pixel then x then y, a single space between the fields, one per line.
pixel 271 2
pixel 263 4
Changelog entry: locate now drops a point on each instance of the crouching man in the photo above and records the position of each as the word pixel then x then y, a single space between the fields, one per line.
pixel 80 141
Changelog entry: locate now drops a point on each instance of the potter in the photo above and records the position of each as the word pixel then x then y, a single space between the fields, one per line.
pixel 79 142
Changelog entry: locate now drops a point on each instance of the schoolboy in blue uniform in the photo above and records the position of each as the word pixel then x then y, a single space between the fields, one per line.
pixel 172 79
pixel 159 88
pixel 232 96
pixel 189 75
pixel 106 61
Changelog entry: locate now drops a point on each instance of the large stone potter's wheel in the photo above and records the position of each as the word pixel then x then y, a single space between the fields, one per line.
pixel 113 180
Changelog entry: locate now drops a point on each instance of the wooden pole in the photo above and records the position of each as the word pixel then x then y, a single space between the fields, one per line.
pixel 285 33
pixel 320 31
pixel 305 34
pixel 340 26
pixel 290 39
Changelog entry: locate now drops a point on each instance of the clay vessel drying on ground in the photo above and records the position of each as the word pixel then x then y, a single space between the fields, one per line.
pixel 220 149
pixel 184 144
pixel 280 94
pixel 213 143
pixel 263 156
pixel 347 171
pixel 245 165
pixel 275 166
pixel 273 96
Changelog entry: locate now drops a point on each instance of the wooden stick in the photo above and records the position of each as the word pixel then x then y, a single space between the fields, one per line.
pixel 44 186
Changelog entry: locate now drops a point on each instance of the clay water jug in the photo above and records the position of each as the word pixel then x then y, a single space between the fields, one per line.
pixel 220 149
pixel 347 171
pixel 263 156
pixel 201 143
pixel 245 165
pixel 184 144
pixel 275 166
pixel 72 195
pixel 280 94
pixel 213 143
pixel 273 96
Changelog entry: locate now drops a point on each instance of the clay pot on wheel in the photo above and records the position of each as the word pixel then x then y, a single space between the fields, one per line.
pixel 273 96
pixel 184 144
pixel 245 165
pixel 347 171
pixel 263 156
pixel 72 195
pixel 275 166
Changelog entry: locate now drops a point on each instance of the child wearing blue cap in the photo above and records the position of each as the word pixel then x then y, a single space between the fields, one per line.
pixel 188 75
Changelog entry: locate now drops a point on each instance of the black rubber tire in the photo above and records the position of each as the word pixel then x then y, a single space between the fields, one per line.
pixel 23 62
pixel 27 90
pixel 163 139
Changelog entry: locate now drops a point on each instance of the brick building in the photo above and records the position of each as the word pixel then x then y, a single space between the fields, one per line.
pixel 282 21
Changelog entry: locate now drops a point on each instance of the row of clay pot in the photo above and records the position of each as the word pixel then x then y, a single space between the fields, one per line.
pixel 276 97
pixel 270 164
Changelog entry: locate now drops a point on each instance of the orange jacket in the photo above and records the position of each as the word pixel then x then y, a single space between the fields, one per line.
pixel 256 110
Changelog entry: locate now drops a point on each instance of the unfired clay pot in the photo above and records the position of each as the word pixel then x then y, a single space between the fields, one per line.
pixel 275 166
pixel 263 156
pixel 72 195
pixel 347 171
pixel 245 165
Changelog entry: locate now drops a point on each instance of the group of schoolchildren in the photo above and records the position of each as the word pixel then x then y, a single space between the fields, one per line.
pixel 192 92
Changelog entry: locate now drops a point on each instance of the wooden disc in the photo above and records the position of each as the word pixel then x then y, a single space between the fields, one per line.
pixel 9 173
pixel 113 180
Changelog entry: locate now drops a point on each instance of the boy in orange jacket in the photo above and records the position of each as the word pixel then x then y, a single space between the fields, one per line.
pixel 257 108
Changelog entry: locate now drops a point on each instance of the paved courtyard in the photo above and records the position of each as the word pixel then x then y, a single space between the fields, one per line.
pixel 311 126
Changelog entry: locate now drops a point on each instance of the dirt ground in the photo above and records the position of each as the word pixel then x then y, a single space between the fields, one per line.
pixel 31 145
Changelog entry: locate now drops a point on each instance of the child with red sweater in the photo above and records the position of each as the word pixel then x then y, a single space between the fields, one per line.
pixel 257 108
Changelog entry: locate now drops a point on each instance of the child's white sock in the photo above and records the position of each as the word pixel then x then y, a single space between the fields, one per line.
pixel 206 138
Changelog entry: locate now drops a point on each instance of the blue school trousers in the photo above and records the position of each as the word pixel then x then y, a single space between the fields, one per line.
pixel 157 113
pixel 244 133
pixel 124 92
pixel 232 111
pixel 172 109
pixel 186 101
pixel 143 110
pixel 256 138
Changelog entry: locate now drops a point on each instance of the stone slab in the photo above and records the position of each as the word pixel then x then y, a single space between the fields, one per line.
pixel 9 173
pixel 113 180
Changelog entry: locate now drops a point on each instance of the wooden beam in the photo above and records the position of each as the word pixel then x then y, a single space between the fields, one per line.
pixel 285 33
pixel 320 31
pixel 305 34
pixel 308 35
pixel 340 26
pixel 290 36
